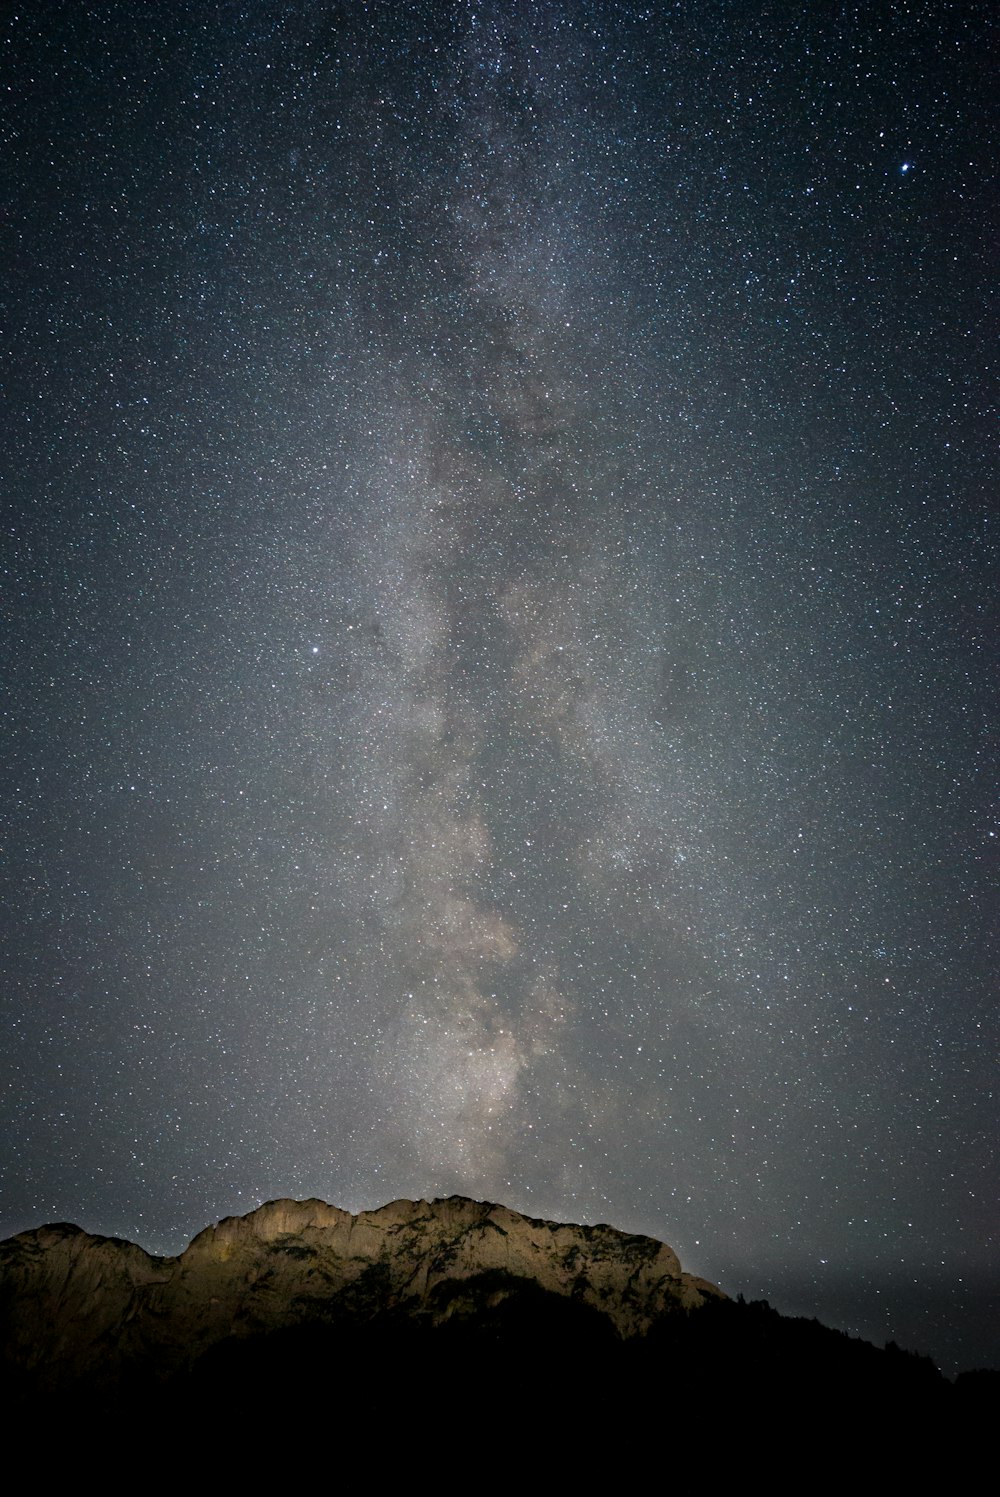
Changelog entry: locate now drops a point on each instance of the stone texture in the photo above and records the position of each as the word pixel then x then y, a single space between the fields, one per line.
pixel 75 1305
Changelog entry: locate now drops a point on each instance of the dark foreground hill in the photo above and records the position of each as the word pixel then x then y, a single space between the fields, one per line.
pixel 452 1323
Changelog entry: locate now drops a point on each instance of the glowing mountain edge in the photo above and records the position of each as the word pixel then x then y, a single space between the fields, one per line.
pixel 453 1313
pixel 79 1305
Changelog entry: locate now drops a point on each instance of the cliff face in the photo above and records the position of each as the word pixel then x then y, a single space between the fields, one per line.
pixel 74 1306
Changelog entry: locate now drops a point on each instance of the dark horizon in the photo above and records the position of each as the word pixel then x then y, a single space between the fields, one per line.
pixel 922 1313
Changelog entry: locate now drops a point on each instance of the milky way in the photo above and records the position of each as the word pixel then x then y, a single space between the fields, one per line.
pixel 498 651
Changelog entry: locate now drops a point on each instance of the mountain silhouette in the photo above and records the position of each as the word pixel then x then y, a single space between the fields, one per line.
pixel 455 1316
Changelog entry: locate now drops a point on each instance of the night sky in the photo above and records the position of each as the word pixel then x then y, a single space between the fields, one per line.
pixel 497 649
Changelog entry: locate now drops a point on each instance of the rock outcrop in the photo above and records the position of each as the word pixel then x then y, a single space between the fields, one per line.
pixel 75 1306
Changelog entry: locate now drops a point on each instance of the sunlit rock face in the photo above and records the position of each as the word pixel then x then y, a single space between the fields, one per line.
pixel 77 1306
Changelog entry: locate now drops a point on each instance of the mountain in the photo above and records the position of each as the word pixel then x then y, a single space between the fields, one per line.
pixel 74 1305
pixel 451 1320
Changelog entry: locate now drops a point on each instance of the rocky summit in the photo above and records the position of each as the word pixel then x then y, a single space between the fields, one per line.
pixel 300 1333
pixel 77 1307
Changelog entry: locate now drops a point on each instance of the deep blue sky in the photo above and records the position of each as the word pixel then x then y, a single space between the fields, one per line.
pixel 498 580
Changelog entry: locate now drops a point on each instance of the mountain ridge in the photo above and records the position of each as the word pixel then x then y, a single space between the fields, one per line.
pixel 453 1316
pixel 76 1304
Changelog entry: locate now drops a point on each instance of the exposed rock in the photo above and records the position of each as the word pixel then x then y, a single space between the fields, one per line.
pixel 74 1305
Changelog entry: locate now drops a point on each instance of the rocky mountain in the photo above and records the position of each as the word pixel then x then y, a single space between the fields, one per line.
pixel 77 1307
pixel 446 1340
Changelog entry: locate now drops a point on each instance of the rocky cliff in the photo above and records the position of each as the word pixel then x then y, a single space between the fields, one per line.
pixel 302 1343
pixel 74 1306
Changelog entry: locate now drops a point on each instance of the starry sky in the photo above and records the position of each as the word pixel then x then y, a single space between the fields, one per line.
pixel 497 630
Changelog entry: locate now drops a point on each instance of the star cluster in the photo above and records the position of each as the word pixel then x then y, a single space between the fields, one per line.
pixel 497 577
